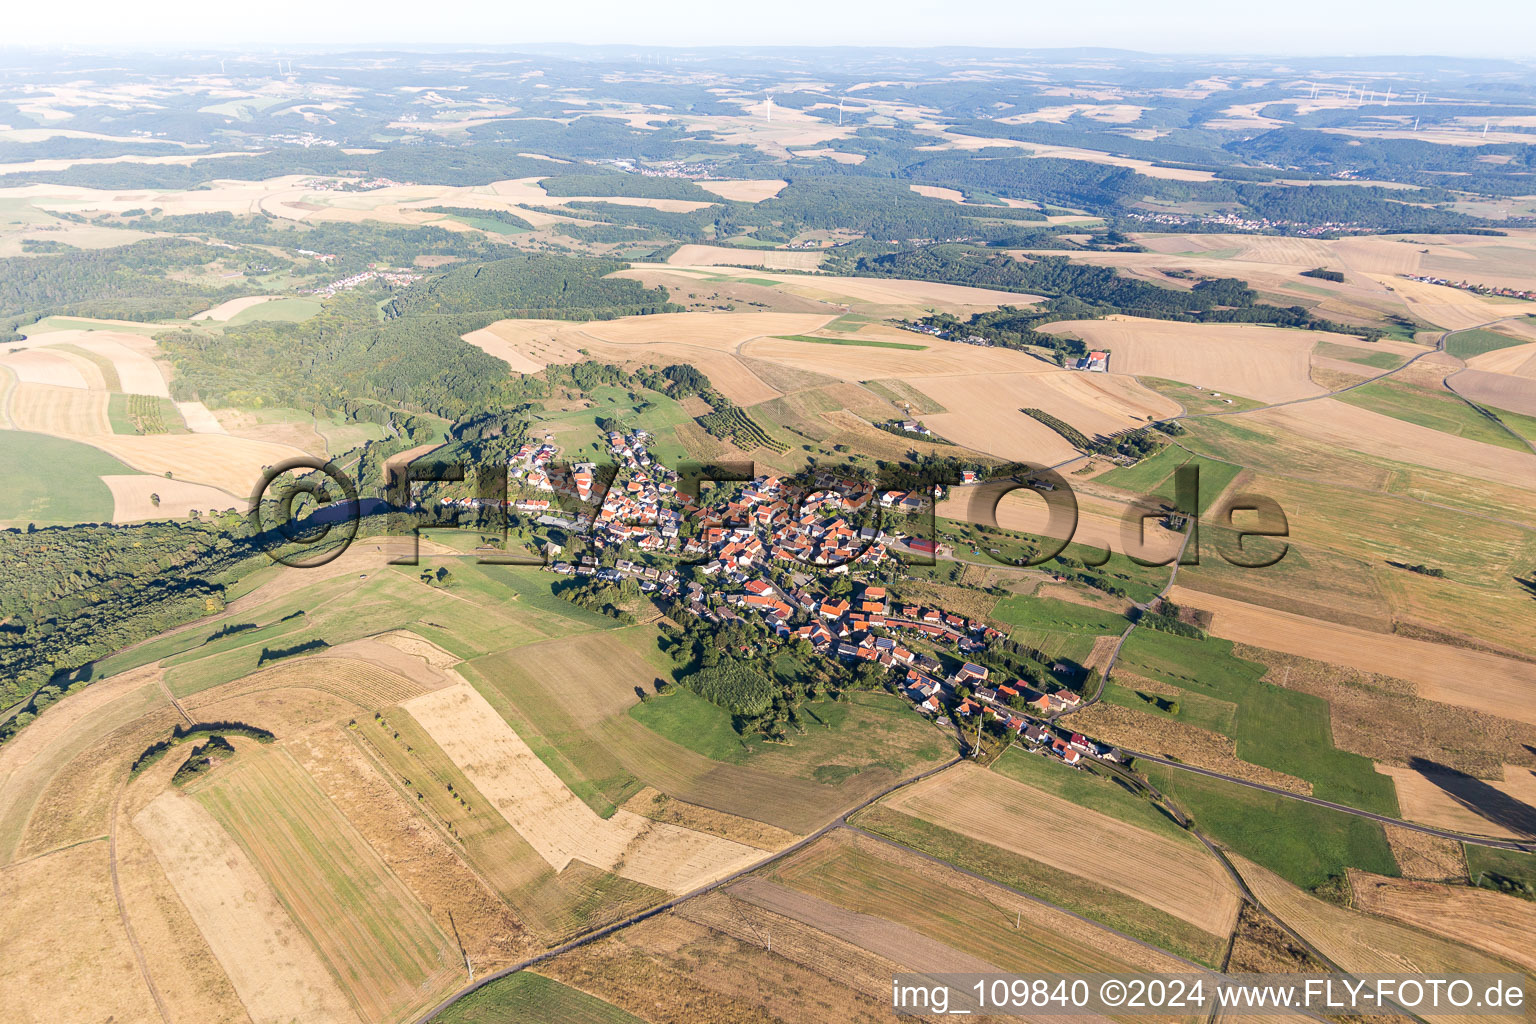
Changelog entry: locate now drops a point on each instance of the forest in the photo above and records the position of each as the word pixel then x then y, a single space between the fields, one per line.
pixel 69 595
pixel 1085 291
pixel 415 361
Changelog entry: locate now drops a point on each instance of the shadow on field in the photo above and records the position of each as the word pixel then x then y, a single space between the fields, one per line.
pixel 1479 797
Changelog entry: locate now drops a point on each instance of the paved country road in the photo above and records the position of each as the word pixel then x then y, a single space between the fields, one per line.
pixel 1527 846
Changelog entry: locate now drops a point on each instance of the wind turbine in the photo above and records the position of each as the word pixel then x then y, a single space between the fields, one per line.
pixel 1415 124
pixel 767 107
pixel 1388 101
pixel 221 65
pixel 839 111
pixel 1485 128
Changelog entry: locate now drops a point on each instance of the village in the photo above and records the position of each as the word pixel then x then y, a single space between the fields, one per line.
pixel 772 551
pixel 1477 289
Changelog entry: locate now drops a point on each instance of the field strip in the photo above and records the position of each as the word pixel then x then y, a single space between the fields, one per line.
pixel 1490 921
pixel 137 374
pixel 1433 800
pixel 1359 943
pixel 137 496
pixel 67 955
pixel 39 366
pixel 551 818
pixel 225 310
pixel 717 255
pixel 7 386
pixel 876 935
pixel 1264 363
pixel 199 419
pixel 277 974
pixel 1159 872
pixel 1504 686
pixel 1353 428
pixel 29 762
pixel 381 945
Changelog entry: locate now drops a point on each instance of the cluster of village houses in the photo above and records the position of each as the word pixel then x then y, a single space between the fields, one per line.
pixel 393 278
pixel 1480 289
pixel 771 520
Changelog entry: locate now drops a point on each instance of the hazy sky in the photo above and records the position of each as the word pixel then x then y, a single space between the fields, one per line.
pixel 1504 28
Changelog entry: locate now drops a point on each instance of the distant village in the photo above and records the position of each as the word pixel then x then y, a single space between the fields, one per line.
pixel 1257 224
pixel 770 525
pixel 343 184
pixel 390 277
pixel 1480 289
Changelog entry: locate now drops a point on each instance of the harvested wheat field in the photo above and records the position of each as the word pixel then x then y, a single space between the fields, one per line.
pixel 1264 363
pixel 744 190
pixel 136 497
pixel 709 341
pixel 1502 391
pixel 1450 801
pixel 47 368
pixel 517 191
pixel 136 372
pixel 1171 876
pixel 1299 252
pixel 1508 262
pixel 382 946
pixel 188 977
pixel 411 666
pixel 1451 308
pixel 716 331
pixel 199 419
pixel 1100 522
pixel 883 296
pixel 275 971
pixel 526 345
pixel 62 411
pixel 609 668
pixel 671 970
pixel 1505 687
pixel 1517 361
pixel 954 195
pixel 352 681
pixel 231 464
pixel 852 361
pixel 551 818
pixel 721 256
pixel 226 310
pixel 30 761
pixel 67 955
pixel 879 882
pixel 861 969
pixel 368 788
pixel 1361 944
pixel 1092 402
pixel 896 942
pixel 1352 428
pixel 1489 921
pixel 985 410
pixel 658 806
